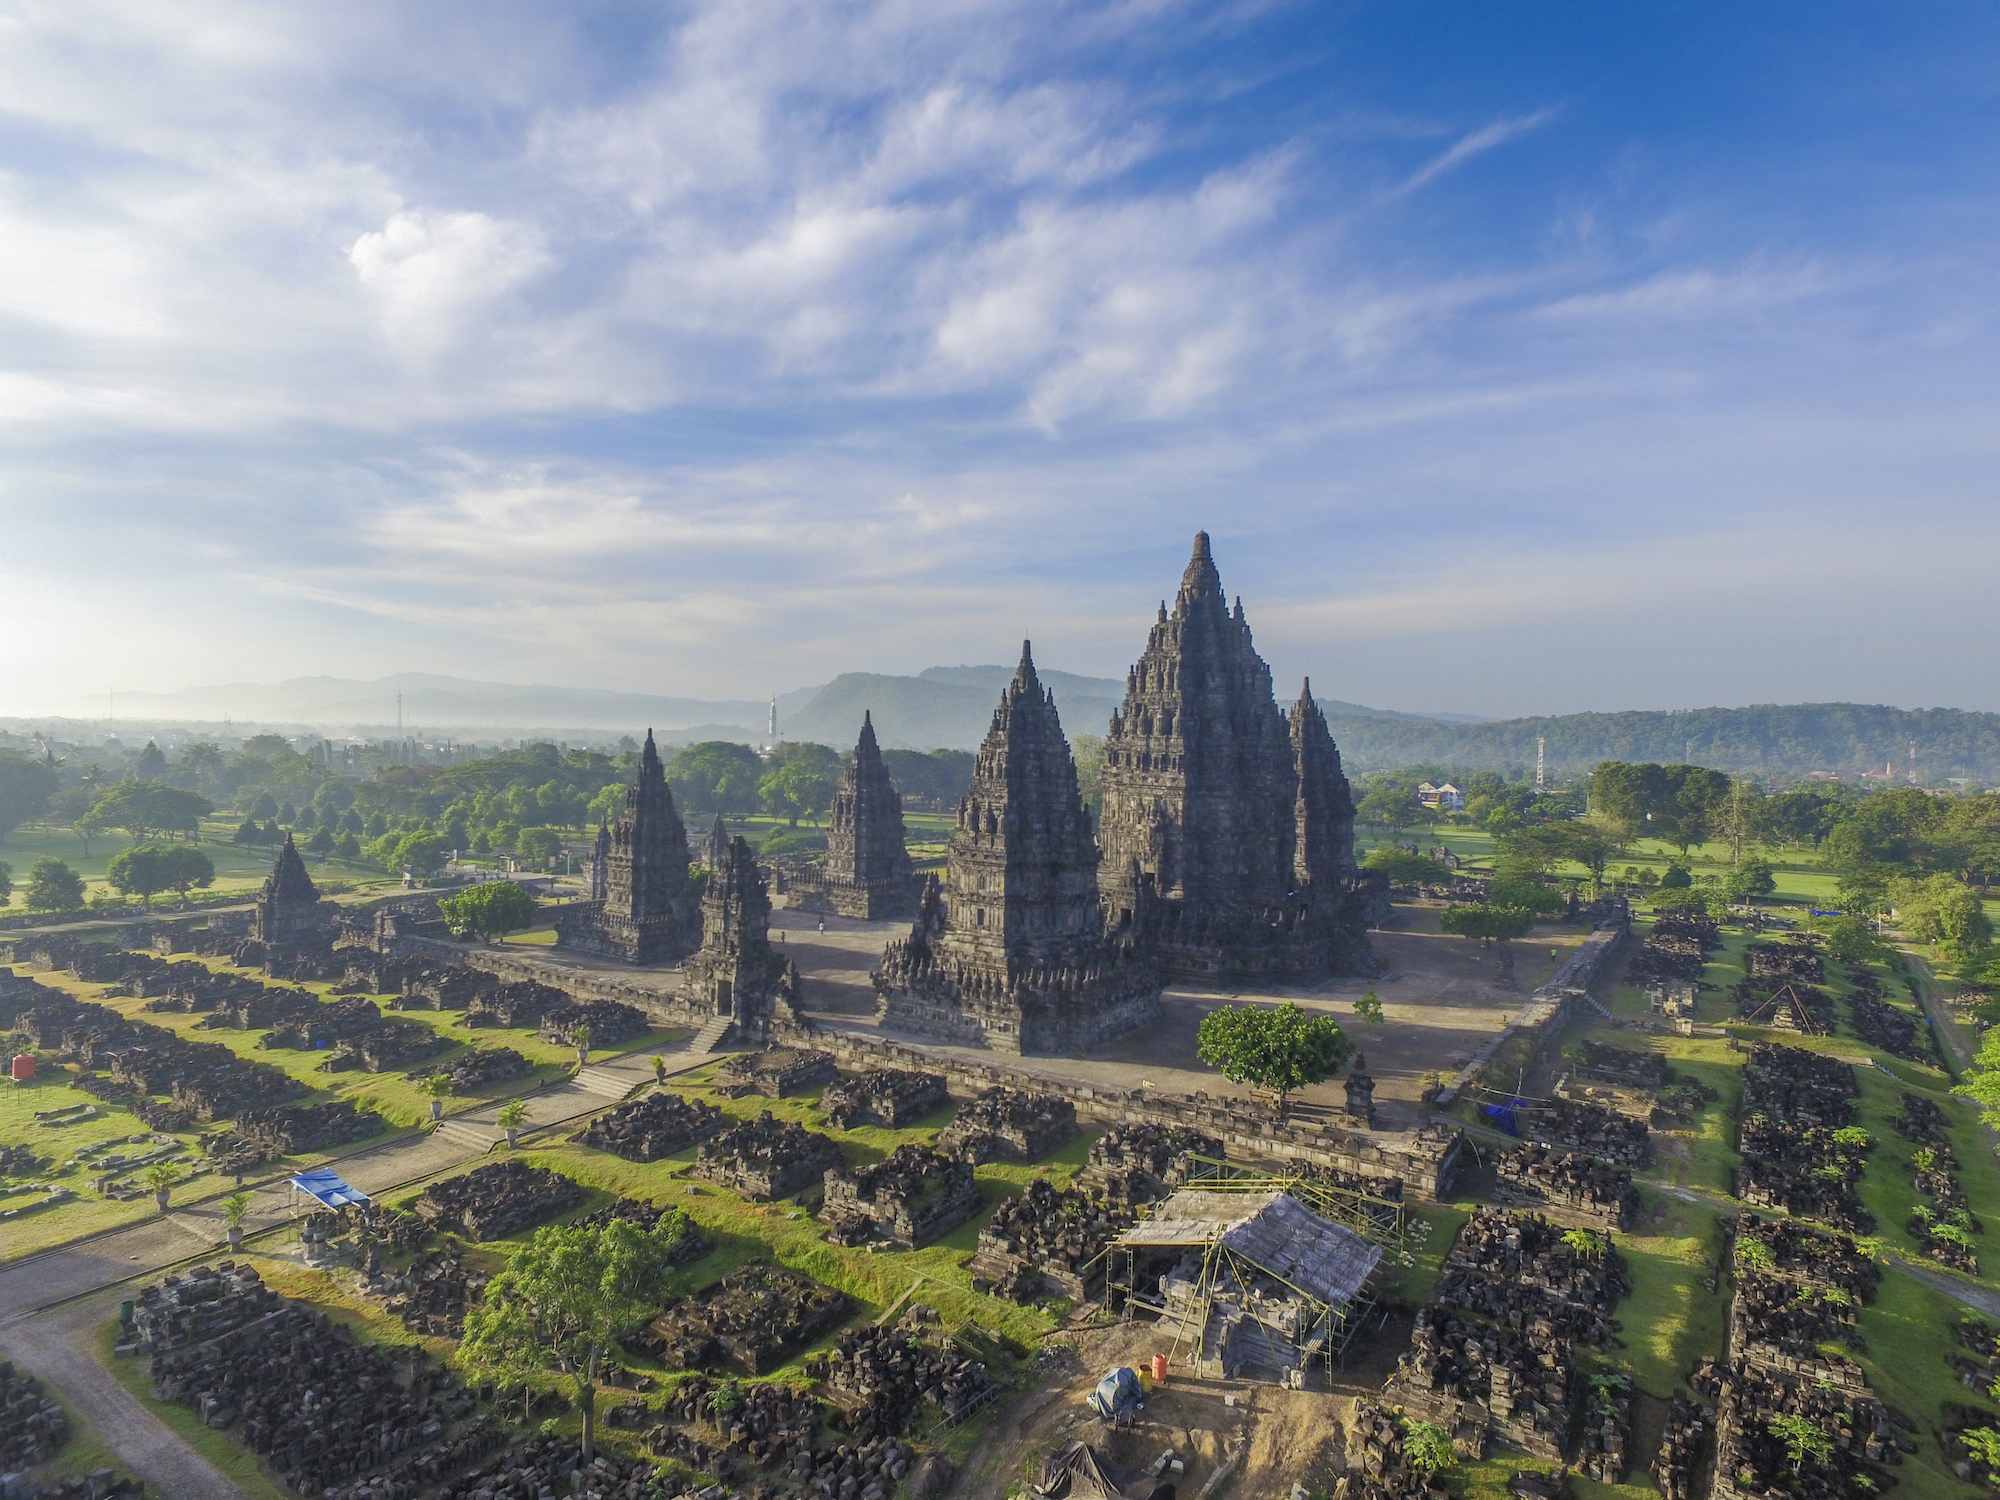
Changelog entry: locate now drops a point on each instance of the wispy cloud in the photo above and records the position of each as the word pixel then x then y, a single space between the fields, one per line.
pixel 1482 140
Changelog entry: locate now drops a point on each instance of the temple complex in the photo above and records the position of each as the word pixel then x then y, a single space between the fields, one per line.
pixel 736 972
pixel 867 871
pixel 288 908
pixel 647 914
pixel 1010 952
pixel 1228 834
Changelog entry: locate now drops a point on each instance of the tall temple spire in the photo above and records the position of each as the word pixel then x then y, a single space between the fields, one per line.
pixel 867 872
pixel 1021 963
pixel 647 914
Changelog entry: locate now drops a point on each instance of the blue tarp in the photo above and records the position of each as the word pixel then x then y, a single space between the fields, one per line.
pixel 325 1186
pixel 1503 1116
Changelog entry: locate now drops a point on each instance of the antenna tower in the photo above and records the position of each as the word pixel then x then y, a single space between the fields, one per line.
pixel 1541 763
pixel 774 718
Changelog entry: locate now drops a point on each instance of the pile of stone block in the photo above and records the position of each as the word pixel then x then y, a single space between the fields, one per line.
pixel 518 1006
pixel 1003 1124
pixel 1568 1187
pixel 390 1047
pixel 758 1425
pixel 200 1305
pixel 1676 948
pixel 1647 1070
pixel 1578 1125
pixel 892 1098
pixel 1795 959
pixel 301 1129
pixel 1945 1228
pixel 322 1408
pixel 434 1294
pixel 32 1424
pixel 1751 1460
pixel 329 1022
pixel 652 1126
pixel 1379 1466
pixel 1519 1384
pixel 911 1197
pixel 491 1202
pixel 755 1318
pixel 609 1022
pixel 445 987
pixel 777 1072
pixel 250 1006
pixel 545 1467
pixel 480 1068
pixel 1677 1466
pixel 1133 1164
pixel 1046 1242
pixel 766 1158
pixel 1880 1024
pixel 1799 1153
pixel 884 1377
pixel 19 1161
pixel 1605 1438
pixel 1514 1267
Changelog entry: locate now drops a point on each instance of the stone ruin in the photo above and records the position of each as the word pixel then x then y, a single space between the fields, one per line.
pixel 1379 1466
pixel 437 986
pixel 491 1202
pixel 478 1069
pixel 766 1158
pixel 434 1294
pixel 1505 1261
pixel 543 1467
pixel 1880 1024
pixel 1360 1089
pixel 1568 1187
pixel 690 1244
pixel 1798 1153
pixel 1578 1125
pixel 288 908
pixel 518 1006
pixel 389 1048
pixel 1795 959
pixel 1601 1060
pixel 911 1197
pixel 736 972
pixel 892 1098
pixel 322 1408
pixel 1604 1439
pixel 1045 1243
pixel 1785 1005
pixel 647 912
pixel 348 1016
pixel 19 1161
pixel 291 1130
pixel 1676 949
pixel 755 1318
pixel 1003 1124
pixel 651 1127
pixel 882 1378
pixel 776 1073
pixel 1944 1230
pixel 768 1426
pixel 1677 1465
pixel 1134 1164
pixel 608 1020
pixel 32 1424
pixel 194 1308
pixel 1010 952
pixel 255 1007
pixel 208 1082
pixel 867 869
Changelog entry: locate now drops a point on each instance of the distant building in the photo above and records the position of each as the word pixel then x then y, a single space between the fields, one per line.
pixel 1444 798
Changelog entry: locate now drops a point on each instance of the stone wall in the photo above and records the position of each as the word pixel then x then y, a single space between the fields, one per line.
pixel 1425 1160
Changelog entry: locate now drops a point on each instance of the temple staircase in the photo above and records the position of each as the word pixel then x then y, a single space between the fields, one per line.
pixel 712 1034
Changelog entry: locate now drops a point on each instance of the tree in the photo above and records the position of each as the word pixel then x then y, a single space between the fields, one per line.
pixel 1403 868
pixel 144 808
pixel 1945 912
pixel 1803 816
pixel 140 871
pixel 1280 1048
pixel 26 785
pixel 1850 940
pixel 1805 1442
pixel 797 790
pixel 713 776
pixel 1526 892
pixel 1750 879
pixel 1676 804
pixel 1546 845
pixel 1391 804
pixel 53 886
pixel 6 883
pixel 1490 924
pixel 565 1300
pixel 1983 1445
pixel 1428 1447
pixel 321 844
pixel 185 867
pixel 538 845
pixel 490 909
pixel 1369 1008
pixel 419 853
pixel 1983 1082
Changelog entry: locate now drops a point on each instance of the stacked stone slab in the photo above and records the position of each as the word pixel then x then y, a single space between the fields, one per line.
pixel 867 870
pixel 647 913
pixel 32 1424
pixel 754 1318
pixel 329 1022
pixel 1008 1124
pixel 776 1072
pixel 1047 1242
pixel 1569 1187
pixel 1133 1164
pixel 390 1047
pixel 912 1196
pixel 609 1022
pixel 1010 952
pixel 480 1068
pixel 489 1203
pixel 298 1129
pixel 1228 832
pixel 885 1377
pixel 766 1158
pixel 515 1006
pixel 203 1304
pixel 889 1097
pixel 652 1127
pixel 736 972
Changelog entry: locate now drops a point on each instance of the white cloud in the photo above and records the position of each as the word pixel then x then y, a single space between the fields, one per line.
pixel 433 273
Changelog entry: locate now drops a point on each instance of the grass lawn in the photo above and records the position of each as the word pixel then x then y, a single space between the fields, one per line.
pixel 1908 1332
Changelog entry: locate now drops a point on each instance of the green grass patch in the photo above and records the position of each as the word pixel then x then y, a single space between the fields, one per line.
pixel 1671 1318
pixel 1908 1329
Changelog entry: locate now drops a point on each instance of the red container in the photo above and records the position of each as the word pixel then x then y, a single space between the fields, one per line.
pixel 1159 1368
pixel 24 1066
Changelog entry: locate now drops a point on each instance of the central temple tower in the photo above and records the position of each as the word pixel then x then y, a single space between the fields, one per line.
pixel 1227 830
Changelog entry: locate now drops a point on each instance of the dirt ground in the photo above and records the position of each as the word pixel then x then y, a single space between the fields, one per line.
pixel 1441 997
pixel 1284 1437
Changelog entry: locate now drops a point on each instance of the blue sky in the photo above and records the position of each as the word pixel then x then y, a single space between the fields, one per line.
pixel 1519 358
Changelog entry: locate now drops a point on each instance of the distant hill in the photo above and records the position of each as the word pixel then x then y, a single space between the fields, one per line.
pixel 1786 739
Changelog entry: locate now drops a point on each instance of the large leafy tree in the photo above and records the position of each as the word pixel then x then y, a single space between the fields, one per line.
pixel 1675 804
pixel 1280 1048
pixel 139 871
pixel 713 776
pixel 53 886
pixel 26 784
pixel 489 909
pixel 144 808
pixel 798 788
pixel 566 1299
pixel 1592 843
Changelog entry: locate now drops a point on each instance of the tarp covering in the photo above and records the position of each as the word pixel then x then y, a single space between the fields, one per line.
pixel 324 1186
pixel 1075 1472
pixel 1273 1231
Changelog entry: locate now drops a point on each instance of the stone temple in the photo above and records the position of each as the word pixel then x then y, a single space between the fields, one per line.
pixel 1010 952
pixel 736 972
pixel 867 871
pixel 647 913
pixel 288 908
pixel 1227 833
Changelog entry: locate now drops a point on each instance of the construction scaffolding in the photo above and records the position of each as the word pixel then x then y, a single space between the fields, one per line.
pixel 1383 1221
pixel 1247 1279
